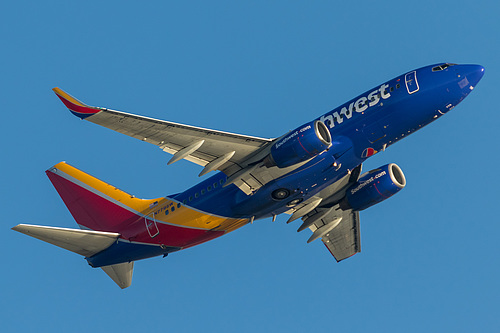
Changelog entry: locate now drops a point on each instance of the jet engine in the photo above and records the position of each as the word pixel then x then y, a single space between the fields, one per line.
pixel 374 187
pixel 300 145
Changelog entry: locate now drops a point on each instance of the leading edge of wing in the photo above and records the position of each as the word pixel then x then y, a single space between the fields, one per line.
pixel 83 111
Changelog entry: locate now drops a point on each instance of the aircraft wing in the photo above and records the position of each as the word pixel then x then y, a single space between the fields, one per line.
pixel 338 229
pixel 215 150
pixel 343 241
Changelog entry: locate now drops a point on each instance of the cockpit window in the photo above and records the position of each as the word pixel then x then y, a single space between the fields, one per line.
pixel 441 67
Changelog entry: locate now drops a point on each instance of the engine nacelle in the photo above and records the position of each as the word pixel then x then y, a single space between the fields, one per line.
pixel 301 144
pixel 374 187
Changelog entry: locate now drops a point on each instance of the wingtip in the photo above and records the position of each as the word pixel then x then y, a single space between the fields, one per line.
pixel 76 107
pixel 17 228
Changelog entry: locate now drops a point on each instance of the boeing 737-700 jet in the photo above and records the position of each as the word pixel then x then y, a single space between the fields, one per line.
pixel 312 173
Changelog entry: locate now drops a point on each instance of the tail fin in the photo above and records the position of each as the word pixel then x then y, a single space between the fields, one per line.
pixel 84 242
pixel 106 211
pixel 95 204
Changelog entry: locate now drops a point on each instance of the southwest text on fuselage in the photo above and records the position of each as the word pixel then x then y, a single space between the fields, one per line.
pixel 360 105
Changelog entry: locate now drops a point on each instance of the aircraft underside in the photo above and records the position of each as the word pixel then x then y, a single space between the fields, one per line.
pixel 312 173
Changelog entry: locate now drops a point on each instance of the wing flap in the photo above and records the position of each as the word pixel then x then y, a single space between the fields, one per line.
pixel 83 242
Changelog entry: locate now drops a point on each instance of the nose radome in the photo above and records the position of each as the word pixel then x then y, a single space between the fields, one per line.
pixel 474 73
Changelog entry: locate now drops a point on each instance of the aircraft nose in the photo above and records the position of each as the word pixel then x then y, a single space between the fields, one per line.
pixel 473 73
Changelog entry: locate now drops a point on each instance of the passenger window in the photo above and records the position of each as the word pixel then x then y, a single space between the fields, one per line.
pixel 209 188
pixel 191 198
pixel 392 89
pixel 179 205
pixel 215 185
pixel 197 195
pixel 398 86
pixel 202 191
pixel 166 212
pixel 221 181
pixel 184 201
pixel 172 209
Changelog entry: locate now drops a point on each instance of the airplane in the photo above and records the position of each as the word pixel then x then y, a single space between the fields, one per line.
pixel 312 173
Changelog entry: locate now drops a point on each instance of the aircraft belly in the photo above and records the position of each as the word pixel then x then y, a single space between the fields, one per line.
pixel 302 183
pixel 123 251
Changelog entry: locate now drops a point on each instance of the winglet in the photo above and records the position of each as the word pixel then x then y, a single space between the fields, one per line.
pixel 76 107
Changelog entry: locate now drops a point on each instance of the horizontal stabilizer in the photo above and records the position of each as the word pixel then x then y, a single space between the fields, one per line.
pixel 120 273
pixel 84 242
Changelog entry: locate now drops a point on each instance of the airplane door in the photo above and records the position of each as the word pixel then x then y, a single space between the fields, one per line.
pixel 151 225
pixel 411 82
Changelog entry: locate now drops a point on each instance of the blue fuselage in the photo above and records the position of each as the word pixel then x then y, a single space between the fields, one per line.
pixel 359 128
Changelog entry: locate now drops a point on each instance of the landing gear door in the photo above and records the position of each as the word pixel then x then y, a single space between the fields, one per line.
pixel 411 82
pixel 151 225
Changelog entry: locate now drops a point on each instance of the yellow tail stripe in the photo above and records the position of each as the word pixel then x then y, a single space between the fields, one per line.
pixel 178 214
pixel 67 96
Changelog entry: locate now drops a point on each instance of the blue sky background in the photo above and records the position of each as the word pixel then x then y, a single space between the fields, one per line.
pixel 430 254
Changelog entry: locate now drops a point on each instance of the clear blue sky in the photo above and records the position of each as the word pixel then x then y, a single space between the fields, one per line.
pixel 429 260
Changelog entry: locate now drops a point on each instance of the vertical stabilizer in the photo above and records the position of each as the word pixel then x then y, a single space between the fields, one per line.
pixel 95 204
pixel 120 273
